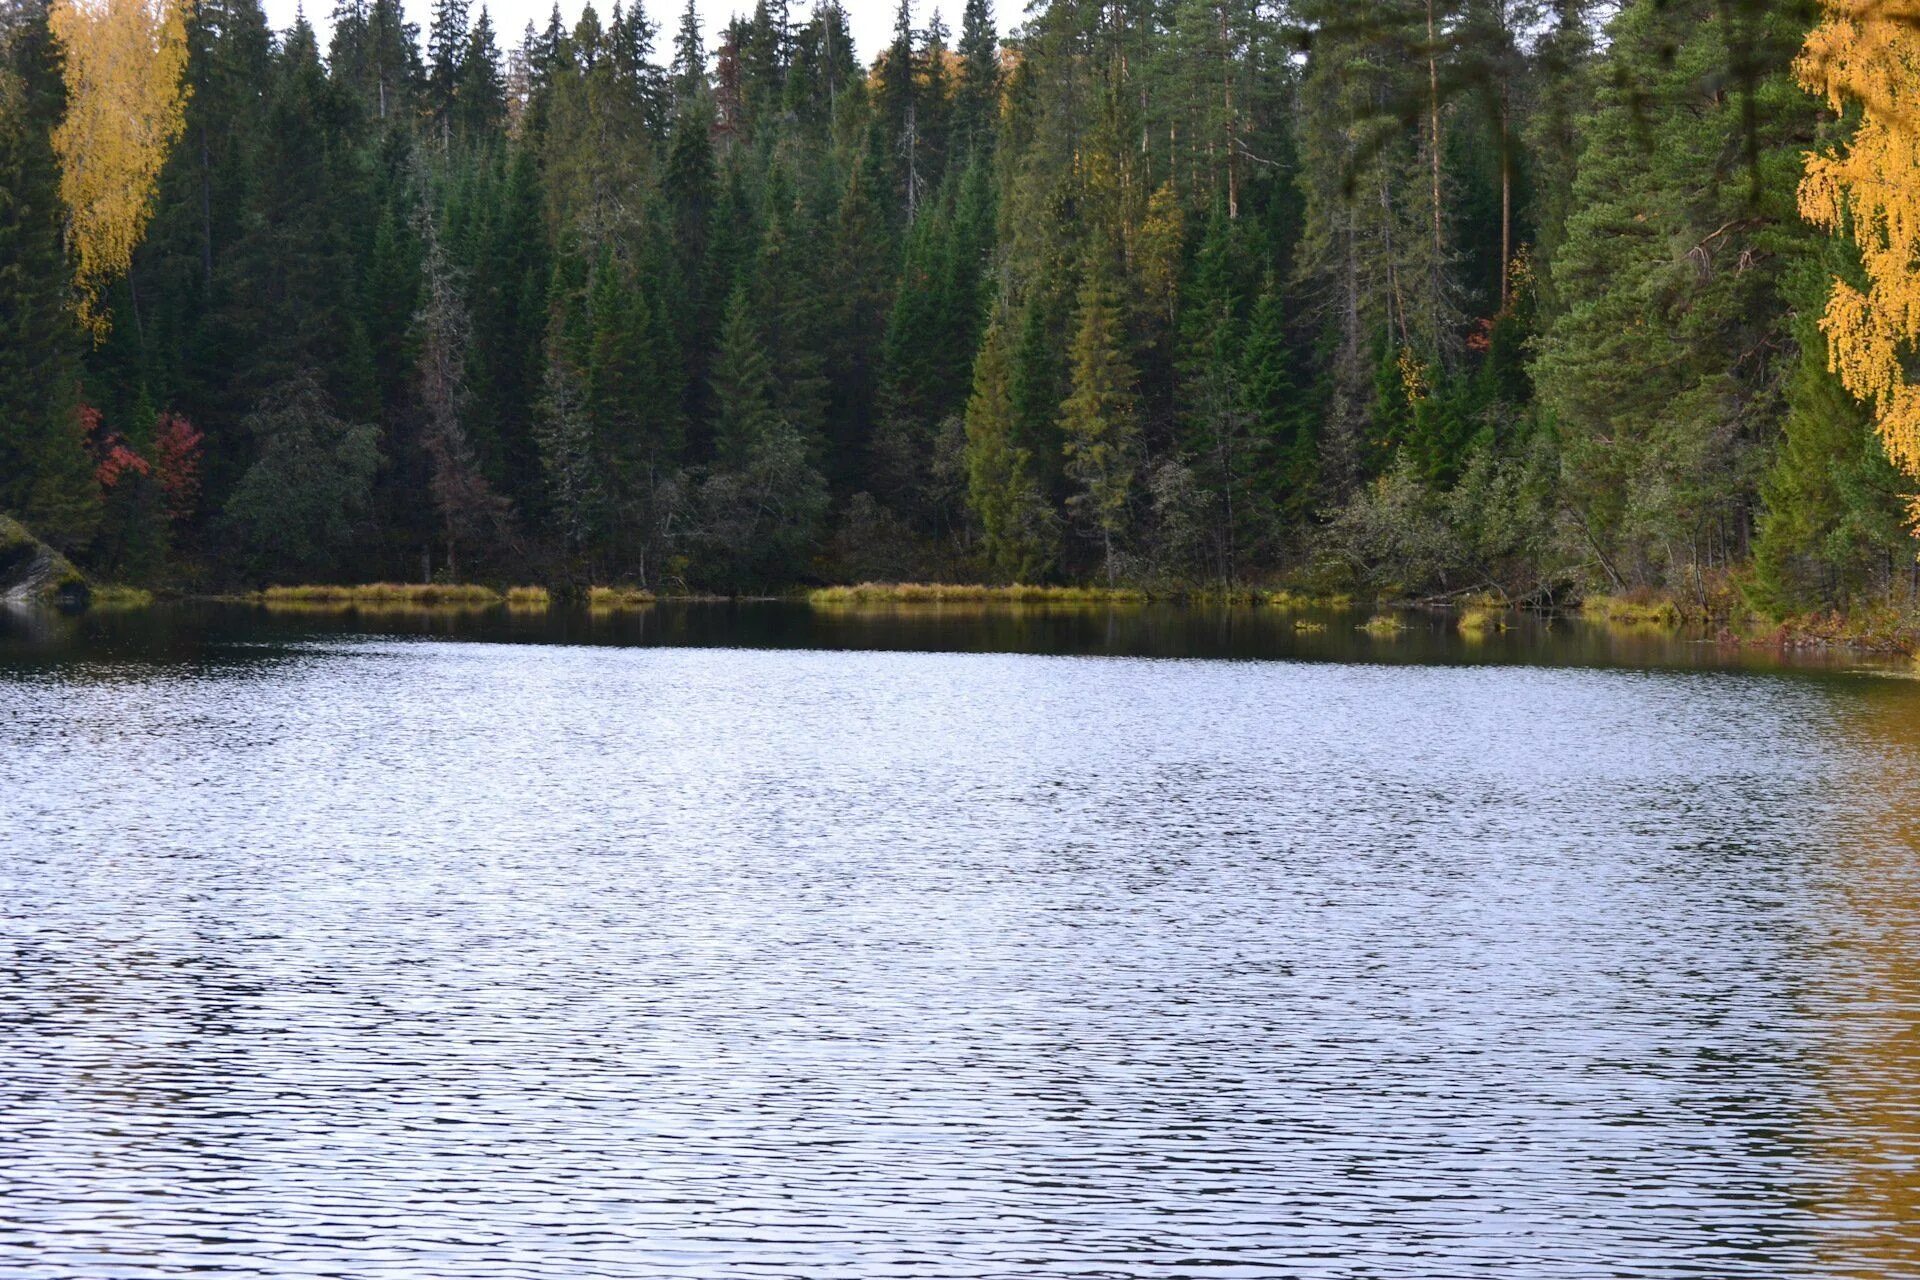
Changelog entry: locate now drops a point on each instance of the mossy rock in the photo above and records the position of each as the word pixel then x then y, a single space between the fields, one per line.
pixel 30 570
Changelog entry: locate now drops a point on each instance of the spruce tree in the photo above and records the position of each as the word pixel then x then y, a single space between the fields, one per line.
pixel 977 97
pixel 1099 422
pixel 762 498
pixel 45 475
pixel 1016 521
pixel 447 40
pixel 689 68
pixel 480 95
pixel 1832 502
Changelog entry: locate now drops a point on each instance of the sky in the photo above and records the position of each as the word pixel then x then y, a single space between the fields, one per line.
pixel 871 20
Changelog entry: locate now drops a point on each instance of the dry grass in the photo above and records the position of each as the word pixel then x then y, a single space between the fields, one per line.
pixel 1479 621
pixel 384 593
pixel 1867 629
pixel 117 597
pixel 618 597
pixel 1638 609
pixel 1303 600
pixel 971 593
pixel 1231 597
pixel 1382 625
pixel 528 598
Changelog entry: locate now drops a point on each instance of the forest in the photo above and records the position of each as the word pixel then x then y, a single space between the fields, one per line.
pixel 1530 299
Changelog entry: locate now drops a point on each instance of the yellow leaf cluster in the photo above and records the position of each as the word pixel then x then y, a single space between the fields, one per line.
pixel 1413 376
pixel 126 106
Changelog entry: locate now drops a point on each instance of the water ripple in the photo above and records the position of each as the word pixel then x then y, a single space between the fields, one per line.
pixel 371 958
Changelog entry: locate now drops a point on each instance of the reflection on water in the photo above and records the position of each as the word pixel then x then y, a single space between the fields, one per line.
pixel 1167 631
pixel 1866 998
pixel 694 942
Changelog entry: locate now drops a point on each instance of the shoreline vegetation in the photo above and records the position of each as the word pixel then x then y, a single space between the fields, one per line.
pixel 971 593
pixel 1721 618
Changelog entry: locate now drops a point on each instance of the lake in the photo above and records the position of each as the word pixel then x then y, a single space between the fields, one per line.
pixel 760 940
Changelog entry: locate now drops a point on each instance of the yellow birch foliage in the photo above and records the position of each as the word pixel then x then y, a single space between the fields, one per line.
pixel 126 106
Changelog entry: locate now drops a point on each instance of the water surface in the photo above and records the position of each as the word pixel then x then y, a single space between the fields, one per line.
pixel 762 942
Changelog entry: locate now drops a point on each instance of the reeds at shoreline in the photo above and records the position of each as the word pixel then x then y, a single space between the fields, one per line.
pixel 384 593
pixel 965 593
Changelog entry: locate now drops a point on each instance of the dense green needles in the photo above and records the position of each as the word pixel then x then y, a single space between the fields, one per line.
pixel 1470 302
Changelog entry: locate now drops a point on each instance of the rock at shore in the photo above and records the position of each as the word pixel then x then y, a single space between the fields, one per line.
pixel 30 570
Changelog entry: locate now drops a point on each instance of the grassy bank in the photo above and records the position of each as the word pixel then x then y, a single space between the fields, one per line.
pixel 971 593
pixel 105 596
pixel 1633 610
pixel 1881 630
pixel 1285 599
pixel 1476 620
pixel 384 593
pixel 438 595
pixel 619 597
pixel 1720 614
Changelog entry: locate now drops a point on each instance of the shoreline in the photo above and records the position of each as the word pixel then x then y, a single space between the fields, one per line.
pixel 1882 633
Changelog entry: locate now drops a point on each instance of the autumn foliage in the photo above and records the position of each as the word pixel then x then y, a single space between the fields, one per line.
pixel 126 106
pixel 114 460
pixel 176 454
pixel 1868 52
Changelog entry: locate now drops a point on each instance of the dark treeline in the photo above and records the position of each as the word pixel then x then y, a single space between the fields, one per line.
pixel 1404 295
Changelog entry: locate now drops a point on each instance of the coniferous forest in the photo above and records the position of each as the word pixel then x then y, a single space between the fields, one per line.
pixel 1416 297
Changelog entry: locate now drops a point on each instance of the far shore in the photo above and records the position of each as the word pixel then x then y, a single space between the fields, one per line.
pixel 1478 613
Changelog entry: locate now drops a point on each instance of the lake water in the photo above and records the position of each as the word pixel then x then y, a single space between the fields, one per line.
pixel 757 941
